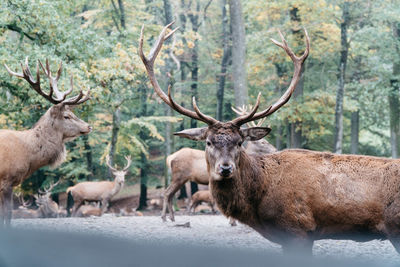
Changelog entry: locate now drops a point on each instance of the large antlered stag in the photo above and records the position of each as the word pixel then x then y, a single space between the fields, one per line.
pixel 23 152
pixel 292 197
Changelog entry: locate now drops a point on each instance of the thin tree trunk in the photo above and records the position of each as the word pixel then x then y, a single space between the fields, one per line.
pixel 355 129
pixel 338 145
pixel 238 53
pixel 394 105
pixel 168 69
pixel 89 157
pixel 143 159
pixel 114 136
pixel 122 13
pixel 224 63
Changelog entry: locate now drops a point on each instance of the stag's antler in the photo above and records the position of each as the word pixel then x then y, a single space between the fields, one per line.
pixel 47 190
pixel 298 64
pixel 149 64
pixel 197 114
pixel 60 97
pixel 125 169
pixel 243 111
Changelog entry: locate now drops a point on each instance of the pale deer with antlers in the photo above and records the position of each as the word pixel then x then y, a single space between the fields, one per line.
pixel 295 196
pixel 101 191
pixel 23 152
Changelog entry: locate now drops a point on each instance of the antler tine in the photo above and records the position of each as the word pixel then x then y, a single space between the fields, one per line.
pixel 249 116
pixel 242 111
pixel 128 163
pixel 298 64
pixel 109 164
pixel 149 64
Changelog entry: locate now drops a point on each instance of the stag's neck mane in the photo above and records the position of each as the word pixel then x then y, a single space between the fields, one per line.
pixel 45 143
pixel 233 195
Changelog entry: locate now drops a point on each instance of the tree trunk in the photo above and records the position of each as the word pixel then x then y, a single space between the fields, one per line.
pixel 338 144
pixel 89 157
pixel 224 63
pixel 114 136
pixel 355 129
pixel 394 99
pixel 143 159
pixel 238 53
pixel 122 13
pixel 168 112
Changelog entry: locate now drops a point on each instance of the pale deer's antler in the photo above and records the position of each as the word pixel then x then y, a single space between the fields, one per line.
pixel 251 115
pixel 125 169
pixel 54 96
pixel 243 111
pixel 47 190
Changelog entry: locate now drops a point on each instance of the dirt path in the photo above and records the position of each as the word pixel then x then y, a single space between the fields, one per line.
pixel 204 230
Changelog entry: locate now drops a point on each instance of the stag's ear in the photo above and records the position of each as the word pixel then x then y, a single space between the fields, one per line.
pixel 255 133
pixel 196 134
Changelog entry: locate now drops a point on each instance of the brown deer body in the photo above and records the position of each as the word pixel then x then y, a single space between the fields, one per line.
pixel 101 191
pixel 202 196
pixel 296 196
pixel 23 152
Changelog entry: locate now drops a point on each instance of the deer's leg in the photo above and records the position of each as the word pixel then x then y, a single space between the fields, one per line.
pixel 7 207
pixel 232 221
pixel 212 207
pixel 189 196
pixel 76 206
pixel 168 196
pixel 2 209
pixel 193 207
pixel 104 205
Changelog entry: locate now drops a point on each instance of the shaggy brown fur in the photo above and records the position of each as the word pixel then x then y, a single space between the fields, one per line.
pixel 189 164
pixel 297 196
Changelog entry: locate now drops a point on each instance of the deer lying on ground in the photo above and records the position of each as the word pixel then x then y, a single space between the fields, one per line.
pixel 101 191
pixel 202 196
pixel 189 164
pixel 47 208
pixel 89 209
pixel 295 196
pixel 23 152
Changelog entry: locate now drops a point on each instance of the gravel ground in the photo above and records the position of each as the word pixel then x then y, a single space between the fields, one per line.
pixel 204 230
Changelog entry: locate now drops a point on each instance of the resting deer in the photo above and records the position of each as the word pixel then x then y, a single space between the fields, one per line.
pixel 189 164
pixel 47 208
pixel 202 196
pixel 101 191
pixel 23 152
pixel 88 210
pixel 295 196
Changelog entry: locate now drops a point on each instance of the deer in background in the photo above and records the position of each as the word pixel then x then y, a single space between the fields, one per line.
pixel 89 209
pixel 47 208
pixel 23 152
pixel 101 191
pixel 202 196
pixel 189 164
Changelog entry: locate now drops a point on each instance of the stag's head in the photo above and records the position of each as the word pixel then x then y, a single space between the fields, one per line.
pixel 48 207
pixel 119 174
pixel 60 115
pixel 223 139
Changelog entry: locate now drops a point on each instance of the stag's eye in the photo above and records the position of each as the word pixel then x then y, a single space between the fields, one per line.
pixel 240 143
pixel 208 143
pixel 67 117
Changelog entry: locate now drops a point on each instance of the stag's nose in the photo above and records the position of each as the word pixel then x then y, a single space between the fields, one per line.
pixel 225 169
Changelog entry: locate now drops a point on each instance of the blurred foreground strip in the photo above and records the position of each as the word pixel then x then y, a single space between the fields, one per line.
pixel 48 249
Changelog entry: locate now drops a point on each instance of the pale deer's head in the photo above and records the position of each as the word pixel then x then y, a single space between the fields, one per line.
pixel 223 139
pixel 60 116
pixel 119 174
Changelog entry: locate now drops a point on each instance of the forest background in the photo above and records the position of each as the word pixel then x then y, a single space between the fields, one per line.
pixel 346 102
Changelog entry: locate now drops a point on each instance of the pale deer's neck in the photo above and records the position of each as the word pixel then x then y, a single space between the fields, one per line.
pixel 117 187
pixel 46 146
